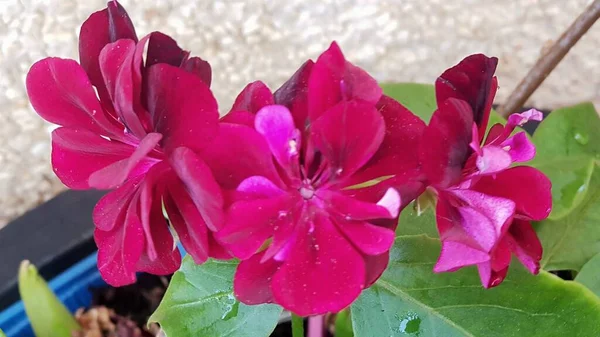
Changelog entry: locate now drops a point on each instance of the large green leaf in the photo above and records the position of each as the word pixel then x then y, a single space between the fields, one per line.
pixel 589 275
pixel 410 300
pixel 568 144
pixel 200 302
pixel 570 241
pixel 47 314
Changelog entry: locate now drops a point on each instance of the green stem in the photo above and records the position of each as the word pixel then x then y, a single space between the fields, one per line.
pixel 297 326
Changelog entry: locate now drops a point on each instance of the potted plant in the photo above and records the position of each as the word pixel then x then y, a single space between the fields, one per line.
pixel 409 209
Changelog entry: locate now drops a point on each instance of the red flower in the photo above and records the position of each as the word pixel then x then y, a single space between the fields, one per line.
pixel 140 136
pixel 484 205
pixel 308 240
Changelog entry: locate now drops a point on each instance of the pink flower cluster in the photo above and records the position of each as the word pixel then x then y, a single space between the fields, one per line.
pixel 287 181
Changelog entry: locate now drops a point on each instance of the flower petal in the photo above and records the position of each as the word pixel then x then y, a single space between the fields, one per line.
pixel 455 255
pixel 184 109
pixel 499 211
pixel 528 187
pixel 111 209
pixel 100 29
pixel 137 163
pixel 200 68
pixel 304 283
pixel 490 277
pixel 77 154
pixel 61 93
pixel 367 238
pixel 239 117
pixel 250 223
pixel 116 60
pixel 239 152
pixel 521 149
pixel 252 280
pixel 398 152
pixel 376 265
pixel 201 186
pixel 120 249
pixel 259 187
pixel 163 49
pixel 187 221
pixel 333 79
pixel 471 80
pixel 444 148
pixel 351 208
pixel 254 97
pixel 275 123
pixel 493 159
pixel 525 244
pixel 293 94
pixel 348 135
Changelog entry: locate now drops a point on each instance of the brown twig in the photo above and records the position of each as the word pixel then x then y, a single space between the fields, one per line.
pixel 550 59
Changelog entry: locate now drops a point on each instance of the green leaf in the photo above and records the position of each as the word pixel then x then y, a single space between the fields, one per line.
pixel 2 334
pixel 416 97
pixel 589 275
pixel 568 145
pixel 410 223
pixel 46 313
pixel 200 302
pixel 420 99
pixel 410 300
pixel 570 241
pixel 343 324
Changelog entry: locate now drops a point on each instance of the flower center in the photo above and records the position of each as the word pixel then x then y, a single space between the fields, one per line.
pixel 307 192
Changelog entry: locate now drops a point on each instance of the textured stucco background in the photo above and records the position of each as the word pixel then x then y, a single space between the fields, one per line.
pixel 395 40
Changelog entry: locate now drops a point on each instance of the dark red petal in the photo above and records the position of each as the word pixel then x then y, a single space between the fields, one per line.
pixel 445 144
pixel 293 94
pixel 161 256
pixel 351 208
pixel 369 239
pixel 61 93
pixel 200 68
pixel 77 154
pixel 334 79
pixel 201 186
pixel 375 265
pixel 398 152
pixel 239 117
pixel 163 49
pixel 323 274
pixel 100 29
pixel 252 280
pixel 239 152
pixel 187 221
pixel 250 223
pixel 116 61
pixel 120 249
pixel 348 135
pixel 254 97
pixel 184 109
pixel 471 80
pixel 276 125
pixel 528 187
pixel 525 244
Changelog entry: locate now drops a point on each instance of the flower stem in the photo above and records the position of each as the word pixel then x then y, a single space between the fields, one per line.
pixel 315 326
pixel 297 326
pixel 550 59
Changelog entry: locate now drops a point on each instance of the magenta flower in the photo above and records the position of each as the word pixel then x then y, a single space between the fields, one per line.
pixel 139 136
pixel 484 205
pixel 308 240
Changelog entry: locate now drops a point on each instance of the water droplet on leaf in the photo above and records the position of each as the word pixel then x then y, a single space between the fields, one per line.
pixel 410 324
pixel 582 138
